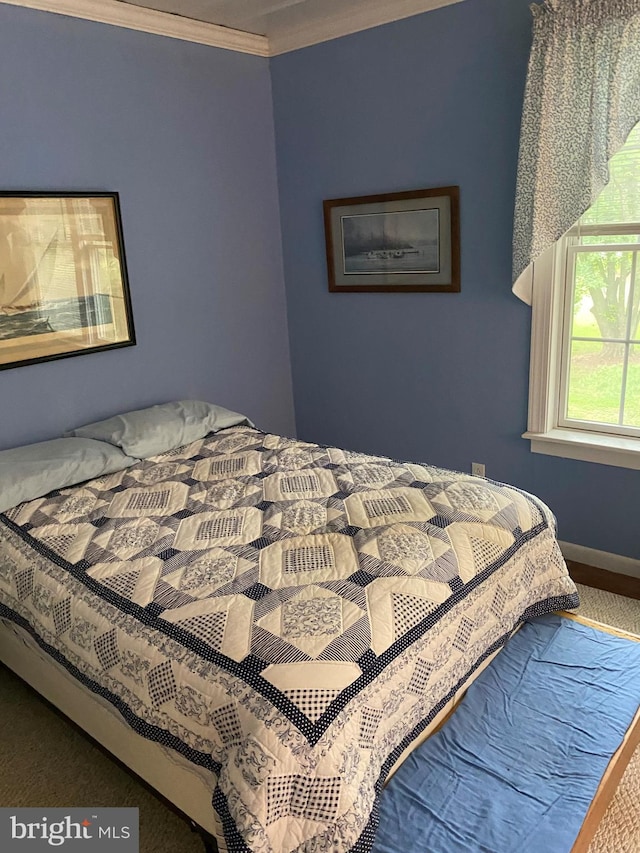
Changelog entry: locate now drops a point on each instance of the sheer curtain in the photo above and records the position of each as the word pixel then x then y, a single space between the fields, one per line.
pixel 582 99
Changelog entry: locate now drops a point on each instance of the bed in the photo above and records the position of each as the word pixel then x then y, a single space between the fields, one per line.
pixel 263 628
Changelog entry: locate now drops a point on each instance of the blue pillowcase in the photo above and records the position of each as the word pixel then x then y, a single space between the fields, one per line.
pixel 34 470
pixel 107 446
pixel 158 429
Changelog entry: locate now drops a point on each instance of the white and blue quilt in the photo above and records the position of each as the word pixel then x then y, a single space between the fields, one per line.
pixel 290 616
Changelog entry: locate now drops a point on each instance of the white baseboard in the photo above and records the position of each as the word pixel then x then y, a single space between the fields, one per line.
pixel 601 559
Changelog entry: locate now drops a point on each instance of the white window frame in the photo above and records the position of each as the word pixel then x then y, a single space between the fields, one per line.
pixel 545 431
pixel 568 250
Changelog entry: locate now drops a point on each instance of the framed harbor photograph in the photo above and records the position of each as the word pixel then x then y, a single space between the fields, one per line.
pixel 63 276
pixel 397 242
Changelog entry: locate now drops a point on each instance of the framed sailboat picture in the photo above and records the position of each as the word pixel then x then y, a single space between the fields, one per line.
pixel 63 276
pixel 394 243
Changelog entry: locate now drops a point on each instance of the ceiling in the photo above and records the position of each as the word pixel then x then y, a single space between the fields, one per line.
pixel 262 17
pixel 261 27
pixel 288 24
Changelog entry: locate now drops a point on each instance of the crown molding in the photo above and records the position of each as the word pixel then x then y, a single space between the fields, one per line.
pixel 371 13
pixel 151 21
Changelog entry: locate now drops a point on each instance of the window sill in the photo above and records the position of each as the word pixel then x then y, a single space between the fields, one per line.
pixel 587 446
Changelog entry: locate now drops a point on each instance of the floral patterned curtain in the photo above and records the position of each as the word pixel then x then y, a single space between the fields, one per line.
pixel 582 99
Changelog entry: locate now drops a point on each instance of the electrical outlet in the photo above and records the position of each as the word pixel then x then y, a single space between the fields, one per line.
pixel 477 469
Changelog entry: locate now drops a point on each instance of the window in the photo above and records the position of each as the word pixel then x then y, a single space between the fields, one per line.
pixel 585 358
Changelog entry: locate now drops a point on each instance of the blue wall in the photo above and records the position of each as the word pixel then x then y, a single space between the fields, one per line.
pixel 429 101
pixel 185 134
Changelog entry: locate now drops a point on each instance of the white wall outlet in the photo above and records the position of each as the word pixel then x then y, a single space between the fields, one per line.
pixel 477 469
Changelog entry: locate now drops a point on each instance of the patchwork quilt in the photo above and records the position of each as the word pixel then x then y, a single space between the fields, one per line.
pixel 287 615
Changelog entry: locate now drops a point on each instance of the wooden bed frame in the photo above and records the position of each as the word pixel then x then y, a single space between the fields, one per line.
pixel 618 763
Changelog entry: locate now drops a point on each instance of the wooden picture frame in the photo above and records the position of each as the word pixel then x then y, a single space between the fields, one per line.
pixel 63 278
pixel 403 242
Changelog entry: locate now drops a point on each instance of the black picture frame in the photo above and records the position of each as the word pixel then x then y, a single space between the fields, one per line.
pixel 64 288
pixel 395 242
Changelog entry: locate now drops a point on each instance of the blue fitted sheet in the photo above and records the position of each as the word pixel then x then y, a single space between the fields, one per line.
pixel 517 765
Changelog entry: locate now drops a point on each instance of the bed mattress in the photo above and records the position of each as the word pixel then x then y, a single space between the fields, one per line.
pixel 291 617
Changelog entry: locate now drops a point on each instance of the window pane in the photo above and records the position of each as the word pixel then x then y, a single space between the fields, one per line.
pixel 602 281
pixel 632 397
pixel 584 321
pixel 595 381
pixel 620 199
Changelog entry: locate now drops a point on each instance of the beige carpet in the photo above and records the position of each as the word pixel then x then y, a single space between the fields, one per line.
pixel 609 608
pixel 46 762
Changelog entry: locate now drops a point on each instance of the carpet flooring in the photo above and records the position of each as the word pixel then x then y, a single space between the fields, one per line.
pixel 46 762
